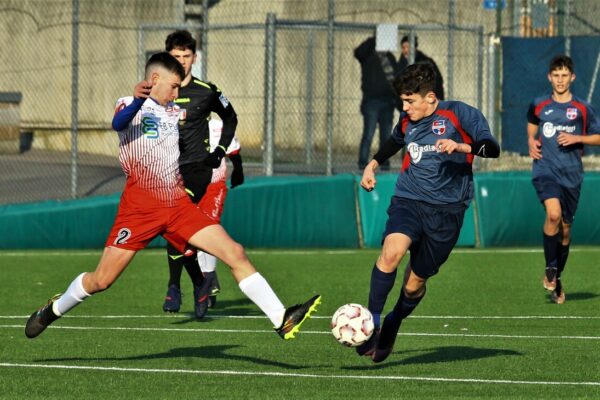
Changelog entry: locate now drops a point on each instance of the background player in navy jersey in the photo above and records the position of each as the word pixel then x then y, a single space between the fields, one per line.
pixel 197 100
pixel 431 195
pixel 558 126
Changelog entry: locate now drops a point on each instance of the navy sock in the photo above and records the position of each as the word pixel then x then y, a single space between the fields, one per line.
pixel 381 285
pixel 405 306
pixel 563 255
pixel 551 250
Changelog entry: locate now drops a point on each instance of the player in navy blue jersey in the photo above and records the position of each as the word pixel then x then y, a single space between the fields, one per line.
pixel 558 126
pixel 431 195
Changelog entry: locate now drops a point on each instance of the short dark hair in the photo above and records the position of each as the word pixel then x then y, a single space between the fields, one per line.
pixel 166 61
pixel 561 61
pixel 406 39
pixel 417 78
pixel 180 39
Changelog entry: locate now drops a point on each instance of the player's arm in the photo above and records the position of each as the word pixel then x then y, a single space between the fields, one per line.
pixel 483 144
pixel 486 147
pixel 533 122
pixel 567 139
pixel 390 147
pixel 124 114
pixel 593 139
pixel 222 107
pixel 233 152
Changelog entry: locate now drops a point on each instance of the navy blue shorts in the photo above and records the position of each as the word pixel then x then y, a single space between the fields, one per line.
pixel 547 187
pixel 434 230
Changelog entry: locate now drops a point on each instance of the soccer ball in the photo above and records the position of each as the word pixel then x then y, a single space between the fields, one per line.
pixel 352 325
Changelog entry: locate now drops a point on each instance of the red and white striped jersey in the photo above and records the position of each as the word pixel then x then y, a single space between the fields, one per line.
pixel 149 151
pixel 215 127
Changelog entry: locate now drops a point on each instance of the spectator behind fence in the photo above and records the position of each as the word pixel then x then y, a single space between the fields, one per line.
pixel 378 71
pixel 421 57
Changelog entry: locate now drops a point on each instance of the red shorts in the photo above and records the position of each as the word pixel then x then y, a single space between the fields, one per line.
pixel 213 200
pixel 139 220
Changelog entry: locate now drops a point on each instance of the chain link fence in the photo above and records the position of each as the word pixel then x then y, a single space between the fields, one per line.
pixel 286 65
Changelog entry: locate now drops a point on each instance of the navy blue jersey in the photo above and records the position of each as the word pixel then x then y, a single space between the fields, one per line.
pixel 575 117
pixel 434 177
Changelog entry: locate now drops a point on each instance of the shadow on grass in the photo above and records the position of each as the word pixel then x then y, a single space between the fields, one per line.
pixel 217 352
pixel 440 354
pixel 577 296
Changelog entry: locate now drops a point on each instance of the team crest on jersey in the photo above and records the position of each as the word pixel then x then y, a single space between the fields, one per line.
pixel 571 113
pixel 439 127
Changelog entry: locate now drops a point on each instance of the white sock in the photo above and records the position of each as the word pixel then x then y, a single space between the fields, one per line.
pixel 207 262
pixel 74 295
pixel 258 290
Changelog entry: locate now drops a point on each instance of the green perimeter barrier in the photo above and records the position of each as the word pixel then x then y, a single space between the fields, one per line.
pixel 509 213
pixel 373 212
pixel 71 224
pixel 301 212
pixel 292 211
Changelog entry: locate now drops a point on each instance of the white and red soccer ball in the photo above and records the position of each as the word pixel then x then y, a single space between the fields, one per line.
pixel 352 325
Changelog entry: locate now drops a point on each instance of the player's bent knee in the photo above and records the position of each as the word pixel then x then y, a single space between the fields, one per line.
pixel 554 217
pixel 388 262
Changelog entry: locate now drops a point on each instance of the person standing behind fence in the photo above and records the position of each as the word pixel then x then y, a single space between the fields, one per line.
pixel 558 126
pixel 378 71
pixel 420 57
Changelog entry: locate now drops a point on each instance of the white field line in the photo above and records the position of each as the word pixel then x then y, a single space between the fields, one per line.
pixel 296 375
pixel 160 252
pixel 236 331
pixel 221 316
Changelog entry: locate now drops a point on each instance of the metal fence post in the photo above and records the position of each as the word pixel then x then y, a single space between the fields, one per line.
pixel 480 54
pixel 451 25
pixel 74 94
pixel 204 44
pixel 330 77
pixel 269 102
pixel 309 97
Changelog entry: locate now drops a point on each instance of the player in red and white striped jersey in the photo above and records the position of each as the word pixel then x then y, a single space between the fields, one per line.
pixel 155 203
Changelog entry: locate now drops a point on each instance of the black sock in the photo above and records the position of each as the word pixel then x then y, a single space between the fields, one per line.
pixel 193 269
pixel 563 255
pixel 176 260
pixel 405 306
pixel 381 284
pixel 551 250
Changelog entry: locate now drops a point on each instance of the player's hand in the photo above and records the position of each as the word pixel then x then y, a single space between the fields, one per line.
pixel 535 148
pixel 213 159
pixel 448 146
pixel 237 176
pixel 368 180
pixel 142 89
pixel 566 139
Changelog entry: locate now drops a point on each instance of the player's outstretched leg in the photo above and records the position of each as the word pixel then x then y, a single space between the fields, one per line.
pixel 391 324
pixel 295 315
pixel 39 320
